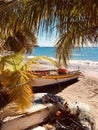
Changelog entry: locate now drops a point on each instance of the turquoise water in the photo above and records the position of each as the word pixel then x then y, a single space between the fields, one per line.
pixel 86 53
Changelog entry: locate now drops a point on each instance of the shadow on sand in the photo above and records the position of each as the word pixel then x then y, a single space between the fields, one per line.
pixel 55 88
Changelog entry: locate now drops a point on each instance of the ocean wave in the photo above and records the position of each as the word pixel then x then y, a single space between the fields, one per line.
pixel 78 62
pixel 77 55
pixel 86 66
pixel 84 62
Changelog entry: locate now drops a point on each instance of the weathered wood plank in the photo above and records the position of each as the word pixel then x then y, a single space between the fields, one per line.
pixel 35 115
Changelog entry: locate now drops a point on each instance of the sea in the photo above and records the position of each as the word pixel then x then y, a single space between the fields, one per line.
pixel 84 53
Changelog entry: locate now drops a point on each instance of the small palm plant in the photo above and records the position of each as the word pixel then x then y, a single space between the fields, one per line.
pixel 16 78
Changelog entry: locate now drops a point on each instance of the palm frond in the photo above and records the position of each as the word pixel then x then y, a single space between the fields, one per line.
pixel 77 18
pixel 19 40
pixel 16 82
pixel 65 52
pixel 4 79
pixel 37 59
pixel 12 62
pixel 19 92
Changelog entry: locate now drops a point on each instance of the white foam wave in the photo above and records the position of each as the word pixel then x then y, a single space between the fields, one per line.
pixel 88 67
pixel 77 55
pixel 82 65
pixel 84 62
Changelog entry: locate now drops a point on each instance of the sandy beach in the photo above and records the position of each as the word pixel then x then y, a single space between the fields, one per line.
pixel 86 89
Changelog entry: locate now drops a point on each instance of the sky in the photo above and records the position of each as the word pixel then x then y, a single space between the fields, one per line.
pixel 47 39
pixel 43 41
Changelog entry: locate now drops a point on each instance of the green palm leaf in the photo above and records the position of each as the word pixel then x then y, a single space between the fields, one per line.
pixel 12 62
pixel 36 60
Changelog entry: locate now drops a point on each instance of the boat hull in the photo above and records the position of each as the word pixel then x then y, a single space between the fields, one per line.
pixel 35 115
pixel 54 79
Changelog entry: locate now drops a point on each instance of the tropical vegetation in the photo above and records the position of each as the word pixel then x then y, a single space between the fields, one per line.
pixel 75 23
pixel 16 78
pixel 21 21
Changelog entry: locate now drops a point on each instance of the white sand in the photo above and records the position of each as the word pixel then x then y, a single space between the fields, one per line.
pixel 86 89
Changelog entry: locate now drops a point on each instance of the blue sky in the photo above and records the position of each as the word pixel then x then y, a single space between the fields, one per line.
pixel 47 39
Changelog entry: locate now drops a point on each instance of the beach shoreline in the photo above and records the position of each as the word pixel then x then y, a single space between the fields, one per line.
pixel 86 89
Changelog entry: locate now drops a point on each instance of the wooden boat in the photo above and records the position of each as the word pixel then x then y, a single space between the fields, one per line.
pixel 36 114
pixel 42 111
pixel 51 79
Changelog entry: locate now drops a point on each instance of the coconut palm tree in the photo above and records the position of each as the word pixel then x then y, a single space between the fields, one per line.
pixel 75 22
